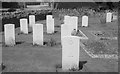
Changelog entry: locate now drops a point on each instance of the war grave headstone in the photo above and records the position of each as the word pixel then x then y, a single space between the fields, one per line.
pixel 109 17
pixel 0 55
pixel 114 17
pixel 70 52
pixel 38 34
pixel 50 24
pixel 84 21
pixel 74 22
pixel 24 26
pixel 67 19
pixel 9 33
pixel 65 31
pixel 31 20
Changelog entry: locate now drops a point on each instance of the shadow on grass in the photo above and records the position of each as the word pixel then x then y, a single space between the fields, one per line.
pixel 20 42
pixel 81 65
pixel 2 67
pixel 56 32
pixel 58 26
pixel 51 33
pixel 30 32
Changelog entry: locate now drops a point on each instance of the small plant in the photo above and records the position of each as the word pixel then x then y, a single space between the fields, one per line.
pixel 74 69
pixel 103 21
pixel 51 42
pixel 104 38
pixel 58 66
pixel 35 45
pixel 2 67
pixel 20 33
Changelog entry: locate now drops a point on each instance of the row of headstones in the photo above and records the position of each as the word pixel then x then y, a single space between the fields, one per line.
pixel 24 24
pixel 50 22
pixel 37 28
pixel 9 30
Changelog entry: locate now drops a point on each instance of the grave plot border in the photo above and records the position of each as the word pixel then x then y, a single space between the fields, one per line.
pixel 107 56
pixel 84 36
pixel 110 38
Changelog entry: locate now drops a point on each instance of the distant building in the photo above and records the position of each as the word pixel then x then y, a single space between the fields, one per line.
pixel 29 4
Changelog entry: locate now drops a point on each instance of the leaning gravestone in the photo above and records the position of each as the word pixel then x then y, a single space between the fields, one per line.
pixel 109 17
pixel 38 34
pixel 84 21
pixel 24 26
pixel 70 52
pixel 31 20
pixel 9 33
pixel 50 24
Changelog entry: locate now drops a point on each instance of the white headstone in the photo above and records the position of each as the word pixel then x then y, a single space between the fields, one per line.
pixel 70 52
pixel 24 26
pixel 0 55
pixel 114 17
pixel 85 21
pixel 66 19
pixel 31 20
pixel 109 17
pixel 50 24
pixel 74 22
pixel 9 32
pixel 65 30
pixel 38 34
pixel 49 17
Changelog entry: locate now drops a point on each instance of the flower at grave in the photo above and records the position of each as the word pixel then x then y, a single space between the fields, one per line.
pixel 74 32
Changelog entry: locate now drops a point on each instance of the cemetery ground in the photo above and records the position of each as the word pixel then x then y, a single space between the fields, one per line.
pixel 25 57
